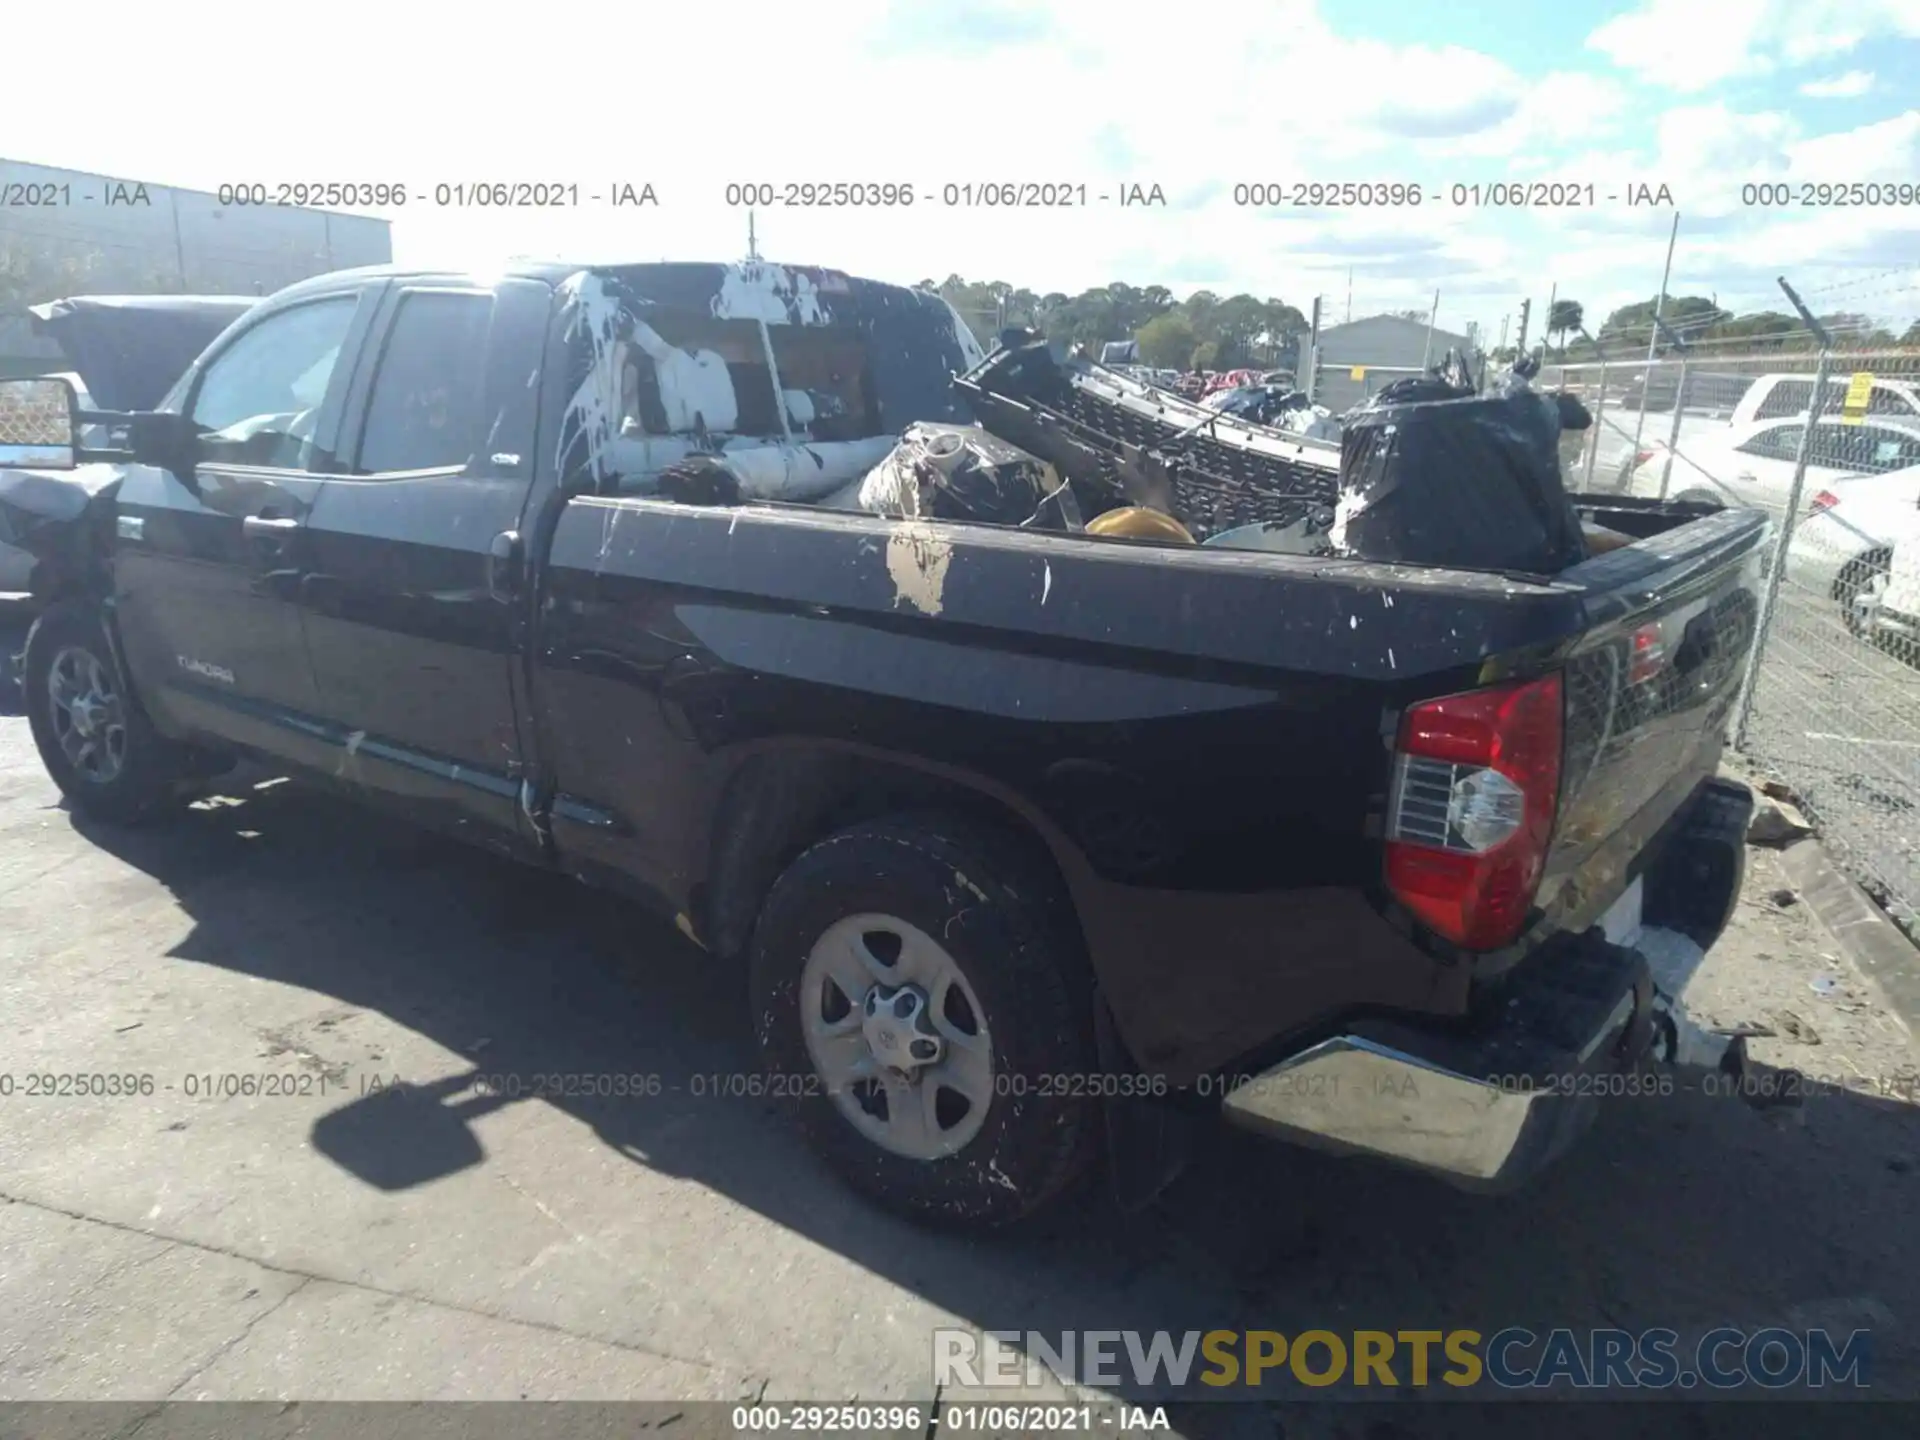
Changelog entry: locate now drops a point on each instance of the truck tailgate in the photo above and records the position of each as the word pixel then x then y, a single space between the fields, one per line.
pixel 1649 688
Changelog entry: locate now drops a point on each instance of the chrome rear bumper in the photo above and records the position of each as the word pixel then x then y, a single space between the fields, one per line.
pixel 1488 1108
pixel 1476 1127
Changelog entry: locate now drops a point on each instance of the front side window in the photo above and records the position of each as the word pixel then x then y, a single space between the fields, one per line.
pixel 1890 449
pixel 424 411
pixel 1858 449
pixel 259 400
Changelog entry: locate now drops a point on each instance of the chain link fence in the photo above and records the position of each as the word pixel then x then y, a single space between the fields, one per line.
pixel 35 417
pixel 1832 708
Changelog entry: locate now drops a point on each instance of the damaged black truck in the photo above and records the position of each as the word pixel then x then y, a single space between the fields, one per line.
pixel 1054 754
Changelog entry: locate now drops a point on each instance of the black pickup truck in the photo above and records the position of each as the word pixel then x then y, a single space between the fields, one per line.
pixel 1015 826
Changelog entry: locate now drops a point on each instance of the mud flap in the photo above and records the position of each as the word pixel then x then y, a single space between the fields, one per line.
pixel 1148 1143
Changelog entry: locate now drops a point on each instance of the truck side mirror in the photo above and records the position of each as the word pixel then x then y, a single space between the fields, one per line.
pixel 39 424
pixel 163 440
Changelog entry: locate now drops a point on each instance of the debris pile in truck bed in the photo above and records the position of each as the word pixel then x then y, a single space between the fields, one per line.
pixel 1427 473
pixel 1433 474
pixel 960 472
pixel 1120 443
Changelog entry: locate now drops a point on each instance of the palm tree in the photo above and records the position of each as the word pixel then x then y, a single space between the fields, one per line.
pixel 1566 316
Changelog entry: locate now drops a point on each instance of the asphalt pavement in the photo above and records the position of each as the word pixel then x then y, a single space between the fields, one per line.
pixel 269 1217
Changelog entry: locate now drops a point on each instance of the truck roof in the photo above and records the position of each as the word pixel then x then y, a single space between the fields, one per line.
pixel 555 271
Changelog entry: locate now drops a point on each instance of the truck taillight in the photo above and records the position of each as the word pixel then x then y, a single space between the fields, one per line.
pixel 1825 500
pixel 1476 785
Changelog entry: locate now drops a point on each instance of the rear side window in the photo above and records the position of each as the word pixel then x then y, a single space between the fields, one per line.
pixel 826 383
pixel 1781 442
pixel 424 411
pixel 684 373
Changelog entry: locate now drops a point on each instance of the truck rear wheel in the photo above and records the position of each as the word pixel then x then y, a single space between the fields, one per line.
pixel 93 737
pixel 917 1006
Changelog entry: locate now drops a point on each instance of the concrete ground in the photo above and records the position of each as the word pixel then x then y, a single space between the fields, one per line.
pixel 339 1243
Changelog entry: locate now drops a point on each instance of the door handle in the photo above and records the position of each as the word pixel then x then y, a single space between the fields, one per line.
pixel 503 565
pixel 263 527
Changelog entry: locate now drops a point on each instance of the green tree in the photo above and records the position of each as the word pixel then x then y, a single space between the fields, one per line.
pixel 1167 341
pixel 1688 316
pixel 1853 331
pixel 1565 317
pixel 1240 329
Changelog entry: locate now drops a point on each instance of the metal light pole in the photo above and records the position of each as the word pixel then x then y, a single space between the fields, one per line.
pixel 1313 353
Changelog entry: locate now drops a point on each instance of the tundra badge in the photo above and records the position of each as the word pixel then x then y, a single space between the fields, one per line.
pixel 205 670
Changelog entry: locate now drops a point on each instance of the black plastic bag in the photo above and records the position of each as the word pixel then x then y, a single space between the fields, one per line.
pixel 1471 482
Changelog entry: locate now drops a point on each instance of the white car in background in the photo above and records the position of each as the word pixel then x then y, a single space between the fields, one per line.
pixel 1782 397
pixel 1753 465
pixel 1843 548
pixel 1896 615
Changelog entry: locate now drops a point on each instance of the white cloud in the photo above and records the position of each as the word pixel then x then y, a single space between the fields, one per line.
pixel 1685 45
pixel 1884 150
pixel 1839 87
pixel 1689 46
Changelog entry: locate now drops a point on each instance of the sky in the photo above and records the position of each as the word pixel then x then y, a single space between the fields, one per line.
pixel 1702 97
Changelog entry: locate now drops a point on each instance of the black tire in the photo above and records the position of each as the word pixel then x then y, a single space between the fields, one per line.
pixel 997 915
pixel 1702 497
pixel 1857 575
pixel 150 765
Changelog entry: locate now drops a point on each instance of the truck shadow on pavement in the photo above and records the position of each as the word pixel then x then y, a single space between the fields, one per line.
pixel 1686 1211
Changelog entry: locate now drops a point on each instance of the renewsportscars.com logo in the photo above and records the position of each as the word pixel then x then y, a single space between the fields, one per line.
pixel 1514 1358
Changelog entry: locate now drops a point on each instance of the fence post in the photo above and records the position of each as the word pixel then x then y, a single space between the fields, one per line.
pixel 1599 414
pixel 1750 681
pixel 1673 434
pixel 1679 403
pixel 1653 341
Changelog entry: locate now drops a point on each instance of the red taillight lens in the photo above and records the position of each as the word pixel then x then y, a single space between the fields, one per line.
pixel 1824 500
pixel 1648 653
pixel 1476 785
pixel 1640 457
